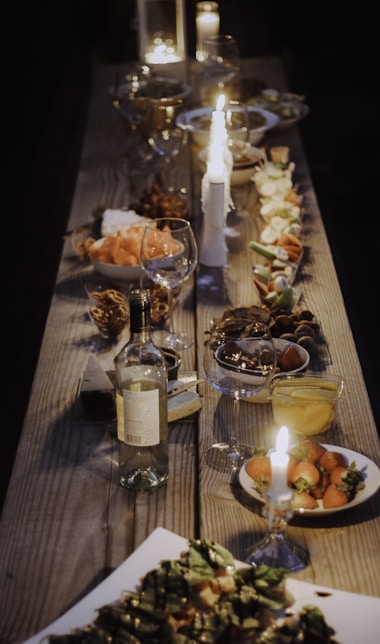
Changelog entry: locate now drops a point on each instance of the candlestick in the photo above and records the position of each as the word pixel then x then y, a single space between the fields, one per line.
pixel 213 247
pixel 274 549
pixel 207 24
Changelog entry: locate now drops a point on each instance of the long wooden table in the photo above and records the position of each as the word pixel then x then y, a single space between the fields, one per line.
pixel 66 522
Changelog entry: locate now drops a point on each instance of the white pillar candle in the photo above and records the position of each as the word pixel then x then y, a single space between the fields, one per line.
pixel 279 460
pixel 213 247
pixel 207 23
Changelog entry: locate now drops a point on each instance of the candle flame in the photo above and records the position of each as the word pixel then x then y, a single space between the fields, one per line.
pixel 220 102
pixel 282 440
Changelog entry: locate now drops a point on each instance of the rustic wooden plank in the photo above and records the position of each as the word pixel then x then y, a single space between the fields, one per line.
pixel 66 522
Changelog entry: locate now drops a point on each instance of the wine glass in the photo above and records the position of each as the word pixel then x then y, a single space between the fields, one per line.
pixel 169 255
pixel 167 139
pixel 221 58
pixel 130 100
pixel 239 360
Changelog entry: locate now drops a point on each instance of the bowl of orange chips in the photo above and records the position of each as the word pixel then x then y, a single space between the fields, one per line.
pixel 117 256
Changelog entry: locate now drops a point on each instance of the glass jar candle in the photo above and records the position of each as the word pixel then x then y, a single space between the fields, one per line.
pixel 161 27
pixel 207 22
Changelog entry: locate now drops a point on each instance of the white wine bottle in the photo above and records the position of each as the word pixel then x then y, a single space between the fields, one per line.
pixel 141 402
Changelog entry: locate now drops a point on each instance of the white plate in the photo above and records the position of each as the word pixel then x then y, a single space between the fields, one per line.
pixel 369 469
pixel 355 618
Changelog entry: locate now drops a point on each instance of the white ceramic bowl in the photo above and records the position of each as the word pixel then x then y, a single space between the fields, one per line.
pixel 264 395
pixel 121 275
pixel 197 122
pixel 118 273
pixel 244 163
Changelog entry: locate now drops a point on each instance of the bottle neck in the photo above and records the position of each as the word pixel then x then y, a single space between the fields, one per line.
pixel 140 314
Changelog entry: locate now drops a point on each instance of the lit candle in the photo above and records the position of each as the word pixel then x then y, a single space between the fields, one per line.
pixel 279 461
pixel 218 130
pixel 207 24
pixel 218 136
pixel 213 248
pixel 162 52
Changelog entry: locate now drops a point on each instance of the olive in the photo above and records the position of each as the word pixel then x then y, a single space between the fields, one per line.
pixel 307 343
pixel 305 314
pixel 290 337
pixel 304 329
pixel 284 320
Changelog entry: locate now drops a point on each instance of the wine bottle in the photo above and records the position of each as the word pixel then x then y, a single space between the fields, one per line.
pixel 141 402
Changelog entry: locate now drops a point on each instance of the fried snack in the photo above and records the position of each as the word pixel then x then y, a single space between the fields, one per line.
pixel 83 247
pixel 110 314
pixel 159 304
pixel 122 249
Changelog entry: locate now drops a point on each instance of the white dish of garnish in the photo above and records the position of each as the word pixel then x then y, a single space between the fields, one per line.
pixel 340 609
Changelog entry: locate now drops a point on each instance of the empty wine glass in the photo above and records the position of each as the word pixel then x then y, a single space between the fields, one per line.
pixel 169 255
pixel 221 58
pixel 167 139
pixel 130 100
pixel 239 360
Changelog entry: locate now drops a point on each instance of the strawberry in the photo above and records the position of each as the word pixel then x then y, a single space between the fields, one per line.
pixel 305 476
pixel 308 450
pixel 303 501
pixel 258 468
pixel 334 497
pixel 331 459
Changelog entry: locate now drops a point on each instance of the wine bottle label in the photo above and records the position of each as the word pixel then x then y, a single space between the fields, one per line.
pixel 138 417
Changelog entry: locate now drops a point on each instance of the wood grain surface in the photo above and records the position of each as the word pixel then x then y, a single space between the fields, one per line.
pixel 66 522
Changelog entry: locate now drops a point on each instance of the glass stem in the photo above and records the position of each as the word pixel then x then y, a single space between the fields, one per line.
pixel 170 304
pixel 235 419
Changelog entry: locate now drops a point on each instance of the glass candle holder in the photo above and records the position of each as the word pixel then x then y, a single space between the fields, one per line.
pixel 161 26
pixel 207 22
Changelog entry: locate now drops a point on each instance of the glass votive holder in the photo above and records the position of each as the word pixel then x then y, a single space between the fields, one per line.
pixel 161 25
pixel 207 23
pixel 107 307
pixel 306 403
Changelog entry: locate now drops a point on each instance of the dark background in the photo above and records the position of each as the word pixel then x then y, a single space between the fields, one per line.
pixel 47 68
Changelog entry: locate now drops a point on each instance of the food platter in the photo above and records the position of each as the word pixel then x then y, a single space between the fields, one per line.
pixel 339 608
pixel 370 471
pixel 289 107
pixel 285 122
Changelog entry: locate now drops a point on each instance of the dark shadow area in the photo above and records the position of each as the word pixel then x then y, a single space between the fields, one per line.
pixel 332 59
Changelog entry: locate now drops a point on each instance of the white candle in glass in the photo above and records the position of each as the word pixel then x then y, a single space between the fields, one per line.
pixel 207 23
pixel 279 460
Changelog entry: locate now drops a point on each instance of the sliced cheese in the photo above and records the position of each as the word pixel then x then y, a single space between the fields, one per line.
pixel 94 378
pixel 183 405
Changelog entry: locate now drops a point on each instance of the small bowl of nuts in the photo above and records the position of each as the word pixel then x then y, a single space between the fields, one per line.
pixel 108 307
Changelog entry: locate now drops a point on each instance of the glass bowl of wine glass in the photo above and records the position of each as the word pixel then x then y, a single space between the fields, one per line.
pixel 221 62
pixel 169 256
